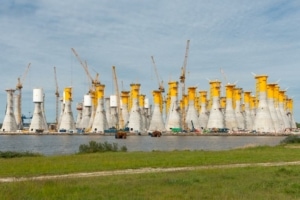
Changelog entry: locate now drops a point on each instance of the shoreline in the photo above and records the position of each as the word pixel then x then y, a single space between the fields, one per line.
pixel 163 134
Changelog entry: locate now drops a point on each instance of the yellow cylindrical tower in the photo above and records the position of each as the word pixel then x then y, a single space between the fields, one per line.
pixel 202 96
pixel 142 100
pixel 125 98
pixel 134 93
pixel 67 94
pixel 223 102
pixel 247 97
pixel 99 94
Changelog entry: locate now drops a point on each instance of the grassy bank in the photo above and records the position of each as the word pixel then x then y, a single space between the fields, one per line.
pixel 238 183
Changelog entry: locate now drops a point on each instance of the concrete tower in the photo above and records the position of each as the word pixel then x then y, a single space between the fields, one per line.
pixel 230 119
pixel 124 106
pixel 157 122
pixel 94 102
pixel 86 112
pixel 276 104
pixel 9 122
pixel 203 117
pixel 192 119
pixel 79 108
pixel 135 118
pixel 114 111
pixel 253 107
pixel 290 113
pixel 283 112
pixel 143 112
pixel 67 121
pixel 17 111
pixel 38 123
pixel 216 118
pixel 100 122
pixel 108 112
pixel 263 121
pixel 173 116
pixel 237 92
pixel 270 100
pixel 248 114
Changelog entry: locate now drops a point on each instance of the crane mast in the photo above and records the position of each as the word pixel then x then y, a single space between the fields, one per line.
pixel 19 87
pixel 160 83
pixel 57 97
pixel 120 117
pixel 182 81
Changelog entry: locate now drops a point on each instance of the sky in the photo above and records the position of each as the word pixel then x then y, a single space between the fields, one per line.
pixel 237 37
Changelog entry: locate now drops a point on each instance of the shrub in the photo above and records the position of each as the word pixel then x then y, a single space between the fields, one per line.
pixel 93 147
pixel 291 139
pixel 14 154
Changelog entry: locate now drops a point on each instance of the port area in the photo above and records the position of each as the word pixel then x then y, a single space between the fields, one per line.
pixel 239 133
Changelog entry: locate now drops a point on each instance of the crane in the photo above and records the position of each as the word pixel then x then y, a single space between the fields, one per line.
pixel 57 97
pixel 182 80
pixel 19 87
pixel 160 83
pixel 120 117
pixel 85 67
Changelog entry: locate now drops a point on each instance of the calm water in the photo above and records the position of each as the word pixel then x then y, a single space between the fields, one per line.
pixel 68 144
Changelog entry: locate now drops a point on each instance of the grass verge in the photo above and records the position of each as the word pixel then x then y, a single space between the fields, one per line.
pixel 238 183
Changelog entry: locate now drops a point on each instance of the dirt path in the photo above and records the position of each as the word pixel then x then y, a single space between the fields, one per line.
pixel 144 171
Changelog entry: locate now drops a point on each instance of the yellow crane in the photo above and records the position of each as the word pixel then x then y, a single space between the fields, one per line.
pixel 19 87
pixel 160 83
pixel 182 81
pixel 57 97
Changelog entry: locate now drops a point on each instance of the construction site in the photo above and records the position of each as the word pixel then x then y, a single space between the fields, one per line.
pixel 178 109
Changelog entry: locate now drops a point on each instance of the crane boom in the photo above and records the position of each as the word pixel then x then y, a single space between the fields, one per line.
pixel 160 83
pixel 120 118
pixel 83 65
pixel 182 80
pixel 57 96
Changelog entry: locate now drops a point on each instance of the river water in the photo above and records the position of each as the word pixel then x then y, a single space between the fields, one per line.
pixel 69 144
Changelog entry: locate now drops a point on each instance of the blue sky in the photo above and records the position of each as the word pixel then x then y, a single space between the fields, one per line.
pixel 238 36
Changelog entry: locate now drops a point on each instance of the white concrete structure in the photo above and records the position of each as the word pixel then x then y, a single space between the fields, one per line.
pixel 100 122
pixel 79 108
pixel 38 123
pixel 67 121
pixel 203 116
pixel 216 117
pixel 124 106
pixel 173 116
pixel 9 122
pixel 17 111
pixel 108 112
pixel 263 122
pixel 230 119
pixel 248 113
pixel 157 122
pixel 135 118
pixel 238 108
pixel 281 104
pixel 273 112
pixel 86 112
pixel 192 119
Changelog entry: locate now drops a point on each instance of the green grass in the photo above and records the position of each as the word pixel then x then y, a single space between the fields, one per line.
pixel 236 183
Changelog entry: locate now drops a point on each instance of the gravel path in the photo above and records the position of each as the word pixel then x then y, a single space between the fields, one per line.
pixel 144 171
